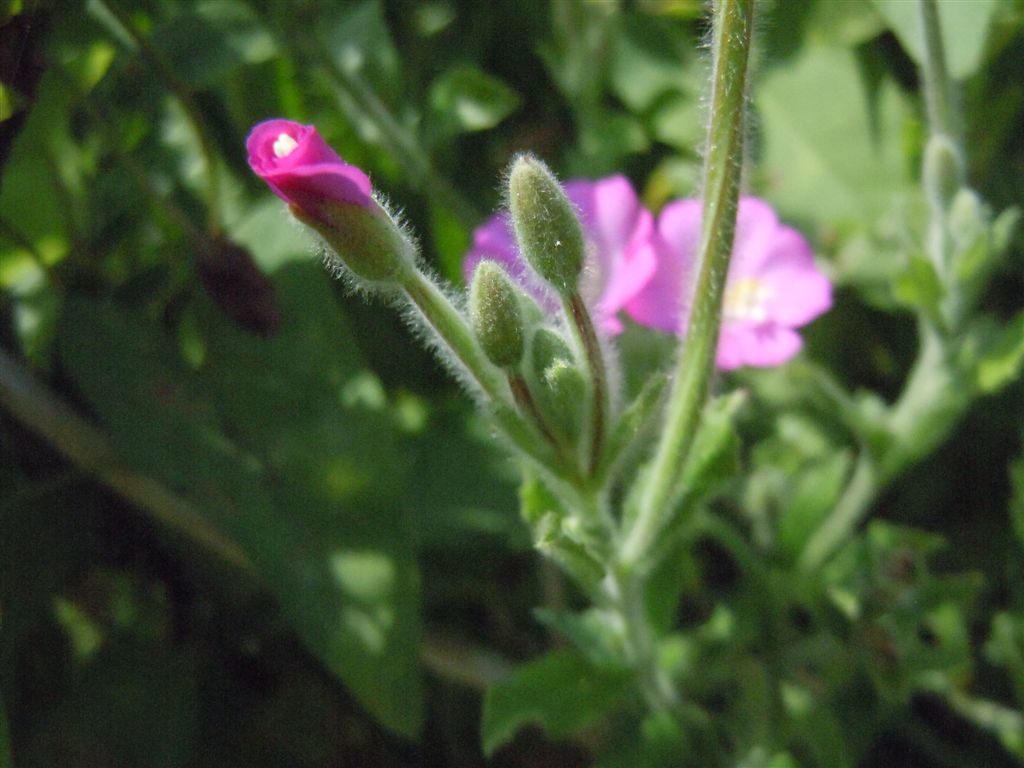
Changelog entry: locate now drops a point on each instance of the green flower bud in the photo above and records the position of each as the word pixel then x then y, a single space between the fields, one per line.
pixel 559 386
pixel 943 170
pixel 967 217
pixel 495 315
pixel 547 347
pixel 545 223
pixel 363 237
pixel 565 392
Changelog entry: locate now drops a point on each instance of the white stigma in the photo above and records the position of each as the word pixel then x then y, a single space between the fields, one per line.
pixel 745 300
pixel 284 145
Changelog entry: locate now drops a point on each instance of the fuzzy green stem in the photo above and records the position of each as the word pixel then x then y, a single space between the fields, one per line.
pixel 932 401
pixel 724 157
pixel 584 326
pixel 454 331
pixel 526 403
pixel 626 592
pixel 450 325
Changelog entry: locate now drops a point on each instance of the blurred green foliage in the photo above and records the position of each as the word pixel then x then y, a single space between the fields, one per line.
pixel 373 575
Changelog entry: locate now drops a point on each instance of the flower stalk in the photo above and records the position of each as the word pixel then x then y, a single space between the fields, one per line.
pixel 584 327
pixel 733 21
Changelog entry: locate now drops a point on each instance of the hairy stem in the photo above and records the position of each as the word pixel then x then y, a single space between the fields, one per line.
pixel 526 403
pixel 723 163
pixel 584 326
pixel 452 328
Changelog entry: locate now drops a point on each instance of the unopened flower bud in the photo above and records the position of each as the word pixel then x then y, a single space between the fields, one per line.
pixel 365 239
pixel 559 386
pixel 943 170
pixel 546 225
pixel 495 315
pixel 547 347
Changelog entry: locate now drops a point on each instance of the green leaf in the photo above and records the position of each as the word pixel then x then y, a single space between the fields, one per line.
pixel 632 433
pixel 964 30
pixel 679 122
pixel 714 456
pixel 825 159
pixel 561 692
pixel 466 99
pixel 269 237
pixel 655 741
pixel 919 286
pixel 595 633
pixel 262 442
pixel 360 44
pixel 1002 357
pixel 451 240
pixel 815 491
pixel 646 60
pixel 463 492
pixel 605 137
pixel 1005 646
pixel 206 45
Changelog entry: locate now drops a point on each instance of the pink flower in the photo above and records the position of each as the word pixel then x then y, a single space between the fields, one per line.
pixel 301 168
pixel 773 285
pixel 615 226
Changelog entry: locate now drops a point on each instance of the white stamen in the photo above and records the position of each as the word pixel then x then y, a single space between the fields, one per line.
pixel 746 299
pixel 284 145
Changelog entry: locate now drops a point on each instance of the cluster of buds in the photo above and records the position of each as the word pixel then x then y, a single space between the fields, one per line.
pixel 551 280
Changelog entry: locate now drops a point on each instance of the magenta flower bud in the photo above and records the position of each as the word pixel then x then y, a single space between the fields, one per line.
pixel 331 197
pixel 301 168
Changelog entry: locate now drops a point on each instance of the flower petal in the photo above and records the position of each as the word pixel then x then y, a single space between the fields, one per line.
pixel 760 346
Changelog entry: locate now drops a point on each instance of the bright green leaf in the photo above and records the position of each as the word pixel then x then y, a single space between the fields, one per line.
pixel 825 159
pixel 815 491
pixel 360 43
pixel 919 286
pixel 1001 361
pixel 964 30
pixel 560 692
pixel 714 456
pixel 679 122
pixel 647 60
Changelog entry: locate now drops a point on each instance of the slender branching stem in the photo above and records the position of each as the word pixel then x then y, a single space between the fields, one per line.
pixel 932 399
